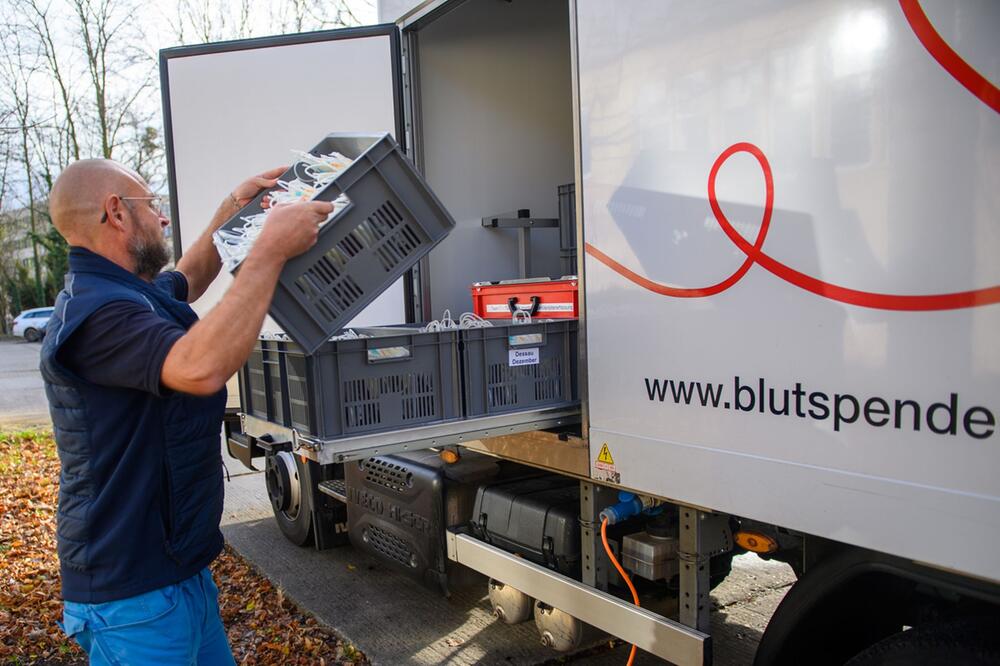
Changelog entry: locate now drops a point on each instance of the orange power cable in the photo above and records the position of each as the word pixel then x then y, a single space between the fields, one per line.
pixel 621 571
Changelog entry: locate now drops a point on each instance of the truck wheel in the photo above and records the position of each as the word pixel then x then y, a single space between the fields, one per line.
pixel 290 498
pixel 32 335
pixel 965 642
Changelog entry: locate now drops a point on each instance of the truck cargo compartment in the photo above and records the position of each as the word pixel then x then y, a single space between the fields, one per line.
pixel 399 378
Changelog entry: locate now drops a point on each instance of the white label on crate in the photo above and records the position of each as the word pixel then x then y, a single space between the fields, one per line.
pixel 523 356
pixel 542 307
pixel 387 354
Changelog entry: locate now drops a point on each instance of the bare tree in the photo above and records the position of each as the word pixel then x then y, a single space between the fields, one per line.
pixel 202 21
pixel 109 51
pixel 7 132
pixel 52 146
pixel 18 68
pixel 74 72
pixel 38 19
pixel 146 153
pixel 302 15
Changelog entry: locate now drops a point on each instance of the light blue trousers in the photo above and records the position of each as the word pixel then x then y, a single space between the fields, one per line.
pixel 176 624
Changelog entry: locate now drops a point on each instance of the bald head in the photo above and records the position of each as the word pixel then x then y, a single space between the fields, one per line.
pixel 78 196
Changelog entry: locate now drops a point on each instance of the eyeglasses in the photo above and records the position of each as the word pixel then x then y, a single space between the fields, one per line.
pixel 155 203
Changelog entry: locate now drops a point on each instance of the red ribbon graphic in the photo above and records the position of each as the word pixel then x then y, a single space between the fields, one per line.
pixel 755 255
pixel 955 66
pixel 973 81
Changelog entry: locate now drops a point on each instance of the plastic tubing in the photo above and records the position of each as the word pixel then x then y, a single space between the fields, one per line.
pixel 621 572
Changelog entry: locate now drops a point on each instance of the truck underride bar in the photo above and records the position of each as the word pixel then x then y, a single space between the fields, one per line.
pixel 650 632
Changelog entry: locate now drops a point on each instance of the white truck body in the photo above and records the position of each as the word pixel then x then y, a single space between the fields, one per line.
pixel 885 171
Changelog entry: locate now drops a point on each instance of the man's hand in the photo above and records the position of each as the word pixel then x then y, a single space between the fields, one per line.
pixel 200 263
pixel 244 193
pixel 292 229
pixel 198 363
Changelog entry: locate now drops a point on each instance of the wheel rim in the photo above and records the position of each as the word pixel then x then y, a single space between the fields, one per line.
pixel 283 485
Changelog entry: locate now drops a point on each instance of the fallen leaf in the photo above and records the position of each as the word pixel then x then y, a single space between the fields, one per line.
pixel 263 625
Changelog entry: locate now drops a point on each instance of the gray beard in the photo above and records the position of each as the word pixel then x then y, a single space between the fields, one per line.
pixel 149 256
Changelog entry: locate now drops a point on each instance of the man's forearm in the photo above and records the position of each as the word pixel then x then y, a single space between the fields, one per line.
pixel 201 263
pixel 205 357
pixel 202 360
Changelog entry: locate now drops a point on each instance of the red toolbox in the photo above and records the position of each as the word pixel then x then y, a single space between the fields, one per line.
pixel 540 297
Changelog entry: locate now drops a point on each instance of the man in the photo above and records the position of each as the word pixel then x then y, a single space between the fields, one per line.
pixel 136 389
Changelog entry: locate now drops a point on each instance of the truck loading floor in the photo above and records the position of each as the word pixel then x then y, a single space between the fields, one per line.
pixel 394 620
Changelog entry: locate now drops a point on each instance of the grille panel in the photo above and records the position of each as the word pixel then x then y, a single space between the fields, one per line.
pixel 387 474
pixel 389 545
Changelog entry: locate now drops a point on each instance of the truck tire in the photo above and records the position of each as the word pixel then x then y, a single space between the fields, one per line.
pixel 965 642
pixel 291 498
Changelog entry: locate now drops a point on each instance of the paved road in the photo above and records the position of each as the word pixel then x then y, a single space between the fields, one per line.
pixel 388 616
pixel 22 396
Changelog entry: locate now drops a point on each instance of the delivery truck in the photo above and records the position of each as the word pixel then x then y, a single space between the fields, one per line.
pixel 753 250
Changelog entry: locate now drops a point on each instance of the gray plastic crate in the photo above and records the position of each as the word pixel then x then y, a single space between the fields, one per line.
pixel 392 221
pixel 509 368
pixel 397 379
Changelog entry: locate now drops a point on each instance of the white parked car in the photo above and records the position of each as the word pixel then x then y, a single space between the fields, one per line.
pixel 30 324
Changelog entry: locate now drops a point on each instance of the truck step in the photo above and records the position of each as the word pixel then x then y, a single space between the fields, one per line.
pixel 336 488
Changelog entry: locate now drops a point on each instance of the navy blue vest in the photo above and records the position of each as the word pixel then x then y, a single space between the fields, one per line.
pixel 140 487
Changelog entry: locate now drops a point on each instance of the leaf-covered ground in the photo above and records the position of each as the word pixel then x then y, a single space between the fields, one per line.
pixel 264 627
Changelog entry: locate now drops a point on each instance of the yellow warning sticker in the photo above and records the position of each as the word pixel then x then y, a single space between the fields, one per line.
pixel 604 467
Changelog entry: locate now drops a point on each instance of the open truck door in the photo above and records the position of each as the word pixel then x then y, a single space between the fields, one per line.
pixel 233 109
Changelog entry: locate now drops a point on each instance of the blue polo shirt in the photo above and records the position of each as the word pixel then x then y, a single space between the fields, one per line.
pixel 124 344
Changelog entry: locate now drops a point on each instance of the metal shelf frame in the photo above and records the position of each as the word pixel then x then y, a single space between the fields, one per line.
pixel 449 433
